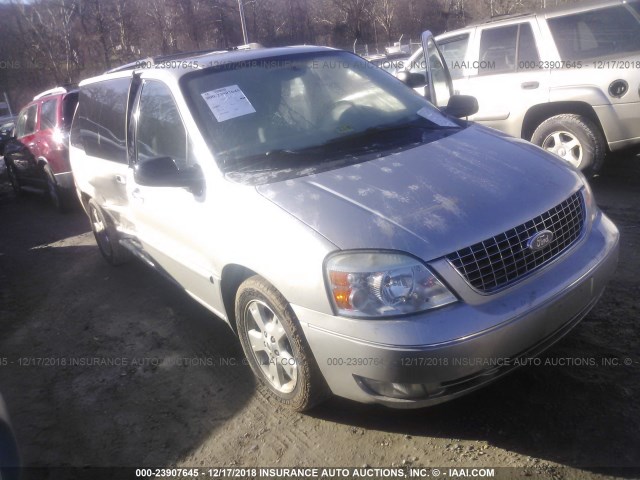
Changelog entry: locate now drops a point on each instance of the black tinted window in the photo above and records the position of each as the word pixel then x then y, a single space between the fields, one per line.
pixel 68 108
pixel 498 50
pixel 48 114
pixel 597 33
pixel 99 125
pixel 161 132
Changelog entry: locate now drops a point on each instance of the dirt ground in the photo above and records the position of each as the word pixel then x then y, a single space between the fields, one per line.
pixel 158 381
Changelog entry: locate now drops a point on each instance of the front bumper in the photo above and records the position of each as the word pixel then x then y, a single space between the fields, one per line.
pixel 458 348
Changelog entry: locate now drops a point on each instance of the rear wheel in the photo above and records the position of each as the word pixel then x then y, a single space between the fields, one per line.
pixel 275 347
pixel 55 193
pixel 106 236
pixel 575 139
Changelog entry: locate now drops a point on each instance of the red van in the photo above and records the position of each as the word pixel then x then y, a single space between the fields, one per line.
pixel 37 156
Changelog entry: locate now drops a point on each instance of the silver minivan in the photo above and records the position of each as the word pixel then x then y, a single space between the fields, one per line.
pixel 360 241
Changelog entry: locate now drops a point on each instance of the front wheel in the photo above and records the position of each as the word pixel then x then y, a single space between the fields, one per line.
pixel 575 139
pixel 275 347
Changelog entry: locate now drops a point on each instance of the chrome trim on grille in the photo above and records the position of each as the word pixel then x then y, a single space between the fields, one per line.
pixel 504 259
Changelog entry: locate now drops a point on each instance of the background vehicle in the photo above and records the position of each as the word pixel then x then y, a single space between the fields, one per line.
pixel 6 131
pixel 566 79
pixel 5 113
pixel 37 158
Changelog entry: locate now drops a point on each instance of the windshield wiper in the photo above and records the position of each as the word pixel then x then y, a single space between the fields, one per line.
pixel 374 132
pixel 373 138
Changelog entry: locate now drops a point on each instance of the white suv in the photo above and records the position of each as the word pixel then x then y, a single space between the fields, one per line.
pixel 565 79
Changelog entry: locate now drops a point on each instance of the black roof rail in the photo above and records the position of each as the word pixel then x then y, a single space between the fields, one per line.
pixel 64 88
pixel 150 61
pixel 504 16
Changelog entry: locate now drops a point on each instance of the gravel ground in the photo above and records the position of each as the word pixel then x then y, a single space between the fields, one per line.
pixel 132 400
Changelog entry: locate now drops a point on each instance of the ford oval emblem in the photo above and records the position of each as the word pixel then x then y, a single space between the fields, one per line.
pixel 540 240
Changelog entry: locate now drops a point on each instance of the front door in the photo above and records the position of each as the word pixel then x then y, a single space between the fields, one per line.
pixel 439 84
pixel 171 222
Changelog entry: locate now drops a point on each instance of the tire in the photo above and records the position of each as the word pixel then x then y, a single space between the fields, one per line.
pixel 575 139
pixel 54 192
pixel 13 179
pixel 280 356
pixel 106 236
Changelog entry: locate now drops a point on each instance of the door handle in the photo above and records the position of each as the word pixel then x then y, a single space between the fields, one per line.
pixel 530 85
pixel 121 180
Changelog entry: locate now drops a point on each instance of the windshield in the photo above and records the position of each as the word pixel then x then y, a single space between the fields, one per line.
pixel 596 33
pixel 307 108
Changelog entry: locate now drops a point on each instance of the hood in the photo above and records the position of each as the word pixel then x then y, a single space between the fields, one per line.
pixel 433 199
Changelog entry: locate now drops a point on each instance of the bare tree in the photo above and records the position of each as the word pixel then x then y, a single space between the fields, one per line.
pixel 49 31
pixel 384 14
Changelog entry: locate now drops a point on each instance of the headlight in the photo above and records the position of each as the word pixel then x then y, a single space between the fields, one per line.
pixel 589 201
pixel 379 284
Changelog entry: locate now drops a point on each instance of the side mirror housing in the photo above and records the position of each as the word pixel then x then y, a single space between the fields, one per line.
pixel 412 79
pixel 461 106
pixel 163 172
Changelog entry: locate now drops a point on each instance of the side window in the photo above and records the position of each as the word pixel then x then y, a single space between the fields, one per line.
pixel 454 50
pixel 27 121
pixel 438 75
pixel 597 33
pixel 48 114
pixel 498 50
pixel 160 131
pixel 99 124
pixel 527 51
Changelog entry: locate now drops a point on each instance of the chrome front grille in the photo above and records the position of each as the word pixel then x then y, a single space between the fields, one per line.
pixel 501 260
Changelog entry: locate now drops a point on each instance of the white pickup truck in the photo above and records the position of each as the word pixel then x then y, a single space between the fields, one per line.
pixel 566 79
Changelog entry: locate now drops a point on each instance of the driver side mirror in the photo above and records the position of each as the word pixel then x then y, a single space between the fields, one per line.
pixel 163 172
pixel 460 106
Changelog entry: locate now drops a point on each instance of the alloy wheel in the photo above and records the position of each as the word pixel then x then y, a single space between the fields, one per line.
pixel 565 145
pixel 271 346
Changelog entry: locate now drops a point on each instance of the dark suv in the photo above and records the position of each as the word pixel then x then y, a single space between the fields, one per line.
pixel 6 130
pixel 37 156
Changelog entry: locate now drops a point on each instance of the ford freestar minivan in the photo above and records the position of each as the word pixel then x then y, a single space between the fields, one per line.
pixel 358 240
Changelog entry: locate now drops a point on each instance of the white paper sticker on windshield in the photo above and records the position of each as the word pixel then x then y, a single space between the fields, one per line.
pixel 436 117
pixel 228 102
